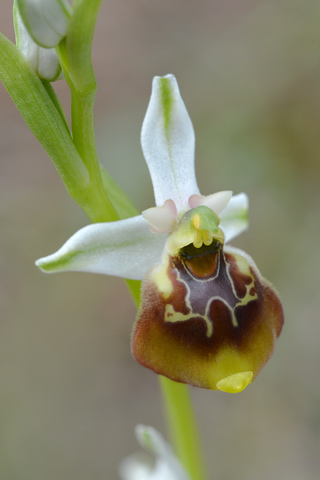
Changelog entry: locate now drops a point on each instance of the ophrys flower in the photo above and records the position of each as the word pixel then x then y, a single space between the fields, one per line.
pixel 207 316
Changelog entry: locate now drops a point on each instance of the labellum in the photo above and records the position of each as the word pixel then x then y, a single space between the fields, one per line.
pixel 207 317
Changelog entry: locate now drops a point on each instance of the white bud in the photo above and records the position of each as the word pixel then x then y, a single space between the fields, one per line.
pixel 46 20
pixel 44 61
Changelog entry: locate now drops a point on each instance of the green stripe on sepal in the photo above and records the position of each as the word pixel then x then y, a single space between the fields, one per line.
pixel 166 100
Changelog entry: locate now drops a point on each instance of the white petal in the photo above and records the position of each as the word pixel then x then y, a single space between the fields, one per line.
pixel 126 248
pixel 46 20
pixel 234 217
pixel 167 140
pixel 216 202
pixel 161 219
pixel 166 466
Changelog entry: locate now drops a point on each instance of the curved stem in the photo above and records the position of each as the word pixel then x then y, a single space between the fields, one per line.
pixel 84 140
pixel 75 57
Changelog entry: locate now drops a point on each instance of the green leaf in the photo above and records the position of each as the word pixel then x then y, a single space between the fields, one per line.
pixel 43 119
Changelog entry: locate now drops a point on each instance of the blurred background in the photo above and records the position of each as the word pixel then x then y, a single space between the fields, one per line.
pixel 70 392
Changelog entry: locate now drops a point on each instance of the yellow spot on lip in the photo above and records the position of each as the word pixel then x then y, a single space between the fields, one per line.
pixel 235 383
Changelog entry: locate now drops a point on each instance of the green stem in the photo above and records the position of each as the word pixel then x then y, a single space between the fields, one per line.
pixel 84 140
pixel 182 426
pixel 75 58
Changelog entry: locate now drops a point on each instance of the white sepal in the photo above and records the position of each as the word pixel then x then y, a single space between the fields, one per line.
pixel 234 217
pixel 46 20
pixel 126 248
pixel 165 467
pixel 44 61
pixel 168 142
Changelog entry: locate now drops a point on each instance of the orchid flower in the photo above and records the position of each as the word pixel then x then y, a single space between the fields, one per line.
pixel 207 316
pixel 166 465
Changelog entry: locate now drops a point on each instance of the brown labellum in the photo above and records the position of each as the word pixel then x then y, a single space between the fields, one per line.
pixel 207 317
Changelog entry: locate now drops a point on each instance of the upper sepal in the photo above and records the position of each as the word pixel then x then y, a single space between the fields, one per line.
pixel 126 248
pixel 168 141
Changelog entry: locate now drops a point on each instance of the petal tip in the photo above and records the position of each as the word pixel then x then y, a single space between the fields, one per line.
pixel 44 264
pixel 159 78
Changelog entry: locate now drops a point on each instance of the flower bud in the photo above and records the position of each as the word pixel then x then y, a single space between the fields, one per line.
pixel 46 20
pixel 44 61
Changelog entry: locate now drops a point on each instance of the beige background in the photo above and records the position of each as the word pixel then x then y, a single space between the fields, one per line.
pixel 70 393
